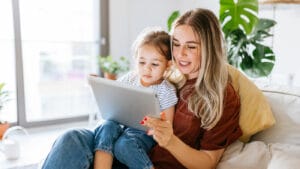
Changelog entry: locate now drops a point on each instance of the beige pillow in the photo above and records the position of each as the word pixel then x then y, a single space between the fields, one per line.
pixel 255 114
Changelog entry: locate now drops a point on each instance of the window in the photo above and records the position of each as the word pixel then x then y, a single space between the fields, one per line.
pixel 47 49
pixel 7 60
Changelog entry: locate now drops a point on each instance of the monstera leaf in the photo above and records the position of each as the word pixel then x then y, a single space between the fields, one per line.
pixel 240 14
pixel 248 52
pixel 171 19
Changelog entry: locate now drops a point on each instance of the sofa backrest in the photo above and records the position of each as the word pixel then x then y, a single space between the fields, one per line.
pixel 285 104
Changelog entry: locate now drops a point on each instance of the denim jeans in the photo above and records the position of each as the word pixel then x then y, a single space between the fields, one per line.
pixel 129 146
pixel 74 150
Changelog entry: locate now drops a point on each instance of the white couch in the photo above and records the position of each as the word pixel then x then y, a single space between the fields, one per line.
pixel 277 147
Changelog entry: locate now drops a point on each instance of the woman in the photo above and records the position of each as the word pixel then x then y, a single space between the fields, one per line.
pixel 206 119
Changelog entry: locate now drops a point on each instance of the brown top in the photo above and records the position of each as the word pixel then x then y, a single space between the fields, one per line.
pixel 187 127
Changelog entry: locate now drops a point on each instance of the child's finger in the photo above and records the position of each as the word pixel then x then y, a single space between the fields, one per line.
pixel 163 116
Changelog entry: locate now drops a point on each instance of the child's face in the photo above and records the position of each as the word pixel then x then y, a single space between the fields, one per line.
pixel 151 65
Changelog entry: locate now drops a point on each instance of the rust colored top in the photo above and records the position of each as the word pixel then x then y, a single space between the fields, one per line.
pixel 187 127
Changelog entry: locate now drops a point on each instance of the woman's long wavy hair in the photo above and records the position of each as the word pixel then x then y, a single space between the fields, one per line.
pixel 206 102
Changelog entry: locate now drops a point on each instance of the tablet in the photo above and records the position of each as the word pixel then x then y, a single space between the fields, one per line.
pixel 124 103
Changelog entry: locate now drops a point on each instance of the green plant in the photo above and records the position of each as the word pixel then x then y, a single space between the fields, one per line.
pixel 109 65
pixel 244 34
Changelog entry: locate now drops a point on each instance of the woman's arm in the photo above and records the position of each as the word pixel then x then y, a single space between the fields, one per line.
pixel 189 157
pixel 192 158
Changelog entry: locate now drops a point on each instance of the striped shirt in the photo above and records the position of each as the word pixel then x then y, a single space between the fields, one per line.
pixel 165 91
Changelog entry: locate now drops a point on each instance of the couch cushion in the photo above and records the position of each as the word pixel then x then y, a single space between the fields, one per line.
pixel 285 104
pixel 252 155
pixel 256 114
pixel 284 156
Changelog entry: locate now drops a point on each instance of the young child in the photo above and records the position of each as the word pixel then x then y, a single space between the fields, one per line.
pixel 130 146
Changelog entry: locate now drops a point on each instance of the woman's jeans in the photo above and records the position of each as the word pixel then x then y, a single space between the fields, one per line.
pixel 75 149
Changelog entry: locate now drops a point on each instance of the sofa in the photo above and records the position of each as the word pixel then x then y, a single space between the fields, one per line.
pixel 278 146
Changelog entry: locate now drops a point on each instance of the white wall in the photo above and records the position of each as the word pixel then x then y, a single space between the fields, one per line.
pixel 129 17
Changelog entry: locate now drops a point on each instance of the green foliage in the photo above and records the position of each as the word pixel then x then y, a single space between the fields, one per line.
pixel 172 18
pixel 244 33
pixel 238 15
pixel 109 65
pixel 4 95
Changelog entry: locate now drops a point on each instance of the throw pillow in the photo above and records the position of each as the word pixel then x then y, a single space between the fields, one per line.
pixel 255 113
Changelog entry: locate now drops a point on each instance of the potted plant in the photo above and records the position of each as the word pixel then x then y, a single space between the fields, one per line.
pixel 111 67
pixel 244 34
pixel 4 97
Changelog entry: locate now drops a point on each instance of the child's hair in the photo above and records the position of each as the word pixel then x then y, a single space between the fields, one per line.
pixel 156 37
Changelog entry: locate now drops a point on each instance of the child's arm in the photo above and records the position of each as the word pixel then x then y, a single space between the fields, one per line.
pixel 169 112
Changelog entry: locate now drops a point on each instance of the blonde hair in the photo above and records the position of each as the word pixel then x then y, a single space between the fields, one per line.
pixel 155 37
pixel 206 102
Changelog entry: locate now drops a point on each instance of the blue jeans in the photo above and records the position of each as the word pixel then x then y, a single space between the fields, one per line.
pixel 74 150
pixel 129 146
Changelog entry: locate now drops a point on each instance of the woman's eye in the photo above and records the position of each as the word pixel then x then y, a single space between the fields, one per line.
pixel 191 46
pixel 141 63
pixel 176 44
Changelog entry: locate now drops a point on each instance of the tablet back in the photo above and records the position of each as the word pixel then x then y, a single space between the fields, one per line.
pixel 123 103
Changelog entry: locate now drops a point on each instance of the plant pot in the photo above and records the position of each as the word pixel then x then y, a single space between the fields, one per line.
pixel 3 128
pixel 110 76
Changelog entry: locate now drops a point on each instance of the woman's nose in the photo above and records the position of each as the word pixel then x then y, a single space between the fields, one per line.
pixel 182 51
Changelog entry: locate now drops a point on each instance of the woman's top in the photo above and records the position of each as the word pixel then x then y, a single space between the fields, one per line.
pixel 188 128
pixel 165 91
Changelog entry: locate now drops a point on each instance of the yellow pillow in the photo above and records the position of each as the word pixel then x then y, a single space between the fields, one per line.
pixel 255 113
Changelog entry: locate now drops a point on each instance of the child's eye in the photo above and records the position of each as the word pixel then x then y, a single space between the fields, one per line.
pixel 155 64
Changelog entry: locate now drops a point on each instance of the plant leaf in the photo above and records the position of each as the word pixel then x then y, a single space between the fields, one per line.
pixel 172 18
pixel 263 59
pixel 241 14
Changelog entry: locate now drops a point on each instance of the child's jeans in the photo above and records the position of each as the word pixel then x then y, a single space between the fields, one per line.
pixel 129 146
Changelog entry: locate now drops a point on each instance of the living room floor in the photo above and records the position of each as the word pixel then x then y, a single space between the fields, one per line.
pixel 36 145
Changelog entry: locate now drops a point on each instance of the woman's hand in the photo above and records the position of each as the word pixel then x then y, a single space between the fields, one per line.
pixel 160 128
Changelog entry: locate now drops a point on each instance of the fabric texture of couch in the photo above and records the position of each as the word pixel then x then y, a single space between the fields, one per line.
pixel 277 147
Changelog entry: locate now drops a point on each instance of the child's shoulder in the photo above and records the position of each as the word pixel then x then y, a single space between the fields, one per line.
pixel 165 84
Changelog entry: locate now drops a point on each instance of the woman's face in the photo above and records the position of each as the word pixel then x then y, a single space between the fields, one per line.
pixel 151 65
pixel 186 51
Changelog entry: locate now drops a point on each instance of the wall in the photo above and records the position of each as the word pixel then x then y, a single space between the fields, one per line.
pixel 129 17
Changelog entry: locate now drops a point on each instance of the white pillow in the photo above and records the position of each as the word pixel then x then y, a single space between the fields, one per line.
pixel 285 156
pixel 252 155
pixel 285 104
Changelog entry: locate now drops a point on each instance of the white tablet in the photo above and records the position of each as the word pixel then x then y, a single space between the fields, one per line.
pixel 123 103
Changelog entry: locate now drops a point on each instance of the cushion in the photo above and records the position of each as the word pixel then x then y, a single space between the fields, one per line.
pixel 284 156
pixel 255 113
pixel 284 101
pixel 241 156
